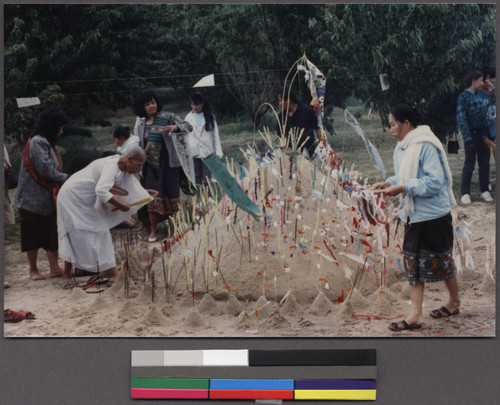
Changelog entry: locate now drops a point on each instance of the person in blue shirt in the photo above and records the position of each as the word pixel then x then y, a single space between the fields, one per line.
pixel 471 118
pixel 487 94
pixel 423 182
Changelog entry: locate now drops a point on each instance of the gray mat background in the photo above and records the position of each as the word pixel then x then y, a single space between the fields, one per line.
pixel 438 371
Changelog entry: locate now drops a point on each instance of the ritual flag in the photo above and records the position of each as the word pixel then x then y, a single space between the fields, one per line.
pixel 231 186
pixel 206 81
pixel 372 151
pixel 316 81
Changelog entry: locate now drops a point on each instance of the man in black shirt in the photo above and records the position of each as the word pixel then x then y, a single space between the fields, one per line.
pixel 294 117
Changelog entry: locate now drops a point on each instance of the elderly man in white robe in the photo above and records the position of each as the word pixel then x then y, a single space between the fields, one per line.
pixel 87 210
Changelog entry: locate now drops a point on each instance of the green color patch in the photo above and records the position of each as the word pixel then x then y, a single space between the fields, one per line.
pixel 173 383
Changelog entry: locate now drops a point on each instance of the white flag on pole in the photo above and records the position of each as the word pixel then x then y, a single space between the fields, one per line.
pixel 384 82
pixel 206 81
pixel 27 102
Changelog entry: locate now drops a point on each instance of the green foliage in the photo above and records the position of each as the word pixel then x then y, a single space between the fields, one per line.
pixel 94 58
pixel 425 50
pixel 72 131
pixel 73 146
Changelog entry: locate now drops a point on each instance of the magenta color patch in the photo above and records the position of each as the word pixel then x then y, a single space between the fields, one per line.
pixel 151 393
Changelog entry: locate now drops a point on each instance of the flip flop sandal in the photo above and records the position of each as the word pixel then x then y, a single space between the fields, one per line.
pixel 443 312
pixel 69 285
pixel 403 325
pixel 96 280
pixel 86 287
pixel 93 289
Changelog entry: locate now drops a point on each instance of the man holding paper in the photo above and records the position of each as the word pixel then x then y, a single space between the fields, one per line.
pixel 88 207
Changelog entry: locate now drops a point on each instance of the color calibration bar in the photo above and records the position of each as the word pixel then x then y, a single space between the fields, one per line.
pixel 254 374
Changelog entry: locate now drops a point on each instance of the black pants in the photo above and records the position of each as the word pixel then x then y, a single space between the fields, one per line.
pixel 476 147
pixel 201 172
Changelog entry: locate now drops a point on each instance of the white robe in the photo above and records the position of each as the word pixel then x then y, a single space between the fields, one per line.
pixel 84 217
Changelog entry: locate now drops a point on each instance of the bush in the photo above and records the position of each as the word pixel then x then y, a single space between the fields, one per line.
pixel 77 131
pixel 74 148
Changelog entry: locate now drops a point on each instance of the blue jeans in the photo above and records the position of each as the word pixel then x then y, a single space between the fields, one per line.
pixel 476 147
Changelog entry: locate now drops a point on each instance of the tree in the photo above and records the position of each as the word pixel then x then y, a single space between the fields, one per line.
pixel 424 49
pixel 94 58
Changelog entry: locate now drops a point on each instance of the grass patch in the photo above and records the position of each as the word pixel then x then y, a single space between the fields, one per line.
pixel 238 132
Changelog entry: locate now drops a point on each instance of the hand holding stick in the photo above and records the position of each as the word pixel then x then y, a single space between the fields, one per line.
pixel 118 205
pixel 387 188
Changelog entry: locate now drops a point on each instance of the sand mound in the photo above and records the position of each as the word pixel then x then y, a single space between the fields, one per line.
pixel 185 299
pixel 321 305
pixel 265 310
pixel 100 302
pixel 118 287
pixel 245 321
pixel 291 306
pixel 260 302
pixel 274 321
pixel 384 293
pixel 130 310
pixel 381 306
pixel 154 317
pixel 145 295
pixel 208 305
pixel 233 306
pixel 119 282
pixel 488 285
pixel 397 287
pixel 194 319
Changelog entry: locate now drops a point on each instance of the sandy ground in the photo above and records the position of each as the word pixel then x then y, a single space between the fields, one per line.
pixel 231 276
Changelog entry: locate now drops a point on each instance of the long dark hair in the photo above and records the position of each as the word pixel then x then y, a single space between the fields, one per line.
pixel 120 131
pixel 407 111
pixel 48 124
pixel 144 97
pixel 197 98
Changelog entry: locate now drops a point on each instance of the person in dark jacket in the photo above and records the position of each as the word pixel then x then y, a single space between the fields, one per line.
pixel 473 124
pixel 40 178
pixel 295 117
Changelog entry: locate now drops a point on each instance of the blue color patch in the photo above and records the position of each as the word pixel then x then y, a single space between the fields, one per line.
pixel 243 384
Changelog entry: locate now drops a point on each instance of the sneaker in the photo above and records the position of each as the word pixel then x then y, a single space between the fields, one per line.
pixel 466 199
pixel 486 196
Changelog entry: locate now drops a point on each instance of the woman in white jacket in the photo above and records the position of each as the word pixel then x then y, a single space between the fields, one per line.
pixel 123 139
pixel 204 139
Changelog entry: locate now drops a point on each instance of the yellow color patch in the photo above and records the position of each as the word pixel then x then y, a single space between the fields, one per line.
pixel 356 395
